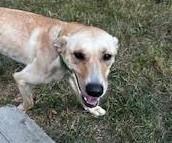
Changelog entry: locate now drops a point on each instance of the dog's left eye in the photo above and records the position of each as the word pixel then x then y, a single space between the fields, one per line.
pixel 107 57
pixel 79 56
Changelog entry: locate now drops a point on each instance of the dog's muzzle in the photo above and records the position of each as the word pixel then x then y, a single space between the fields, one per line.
pixel 93 90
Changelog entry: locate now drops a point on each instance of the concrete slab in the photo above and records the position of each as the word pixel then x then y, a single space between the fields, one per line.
pixel 17 127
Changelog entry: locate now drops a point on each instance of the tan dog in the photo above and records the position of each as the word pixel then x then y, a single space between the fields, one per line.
pixel 51 49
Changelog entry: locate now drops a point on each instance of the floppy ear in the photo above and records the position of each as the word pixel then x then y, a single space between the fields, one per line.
pixel 116 44
pixel 60 44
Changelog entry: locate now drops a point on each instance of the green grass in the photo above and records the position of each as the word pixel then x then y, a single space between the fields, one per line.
pixel 139 99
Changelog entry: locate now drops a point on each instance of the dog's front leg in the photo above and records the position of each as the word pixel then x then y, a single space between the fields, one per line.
pixel 25 79
pixel 26 92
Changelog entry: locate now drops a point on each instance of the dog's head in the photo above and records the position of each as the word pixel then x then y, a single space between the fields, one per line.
pixel 89 53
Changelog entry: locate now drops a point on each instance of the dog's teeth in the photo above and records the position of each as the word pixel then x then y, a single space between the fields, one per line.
pixel 85 98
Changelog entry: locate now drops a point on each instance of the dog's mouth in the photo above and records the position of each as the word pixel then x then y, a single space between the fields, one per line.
pixel 87 100
pixel 90 101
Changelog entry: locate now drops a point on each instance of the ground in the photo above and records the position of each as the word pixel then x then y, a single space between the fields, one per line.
pixel 139 99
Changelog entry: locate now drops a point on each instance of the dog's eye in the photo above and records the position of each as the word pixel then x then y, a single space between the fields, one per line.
pixel 79 55
pixel 107 57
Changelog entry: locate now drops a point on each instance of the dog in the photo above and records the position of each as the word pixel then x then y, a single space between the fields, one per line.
pixel 53 49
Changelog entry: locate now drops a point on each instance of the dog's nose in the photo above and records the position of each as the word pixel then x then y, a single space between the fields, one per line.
pixel 94 89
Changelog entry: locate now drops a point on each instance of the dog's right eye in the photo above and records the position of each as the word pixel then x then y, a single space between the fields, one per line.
pixel 107 57
pixel 79 55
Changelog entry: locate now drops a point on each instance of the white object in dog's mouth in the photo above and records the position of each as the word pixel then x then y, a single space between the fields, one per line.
pixel 90 101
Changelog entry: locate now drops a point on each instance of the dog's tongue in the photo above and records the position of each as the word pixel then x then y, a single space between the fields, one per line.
pixel 91 100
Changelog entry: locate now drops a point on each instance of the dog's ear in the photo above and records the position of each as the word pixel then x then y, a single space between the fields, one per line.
pixel 116 44
pixel 60 44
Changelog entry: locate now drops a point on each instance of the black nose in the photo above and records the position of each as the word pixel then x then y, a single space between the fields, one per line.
pixel 94 89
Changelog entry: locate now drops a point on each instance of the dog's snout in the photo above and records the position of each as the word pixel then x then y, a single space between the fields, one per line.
pixel 94 89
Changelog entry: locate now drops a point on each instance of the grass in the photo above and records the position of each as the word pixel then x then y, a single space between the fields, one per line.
pixel 139 99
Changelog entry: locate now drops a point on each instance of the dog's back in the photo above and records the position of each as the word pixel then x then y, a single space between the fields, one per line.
pixel 19 33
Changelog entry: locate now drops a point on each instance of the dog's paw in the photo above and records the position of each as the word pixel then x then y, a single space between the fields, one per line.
pixel 96 111
pixel 21 108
